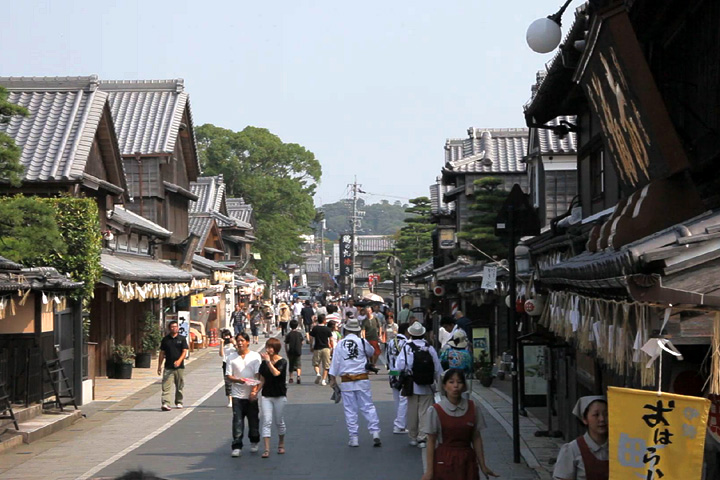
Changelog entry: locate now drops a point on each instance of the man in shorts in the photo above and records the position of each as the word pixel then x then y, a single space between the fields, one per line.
pixel 320 335
pixel 293 350
pixel 371 331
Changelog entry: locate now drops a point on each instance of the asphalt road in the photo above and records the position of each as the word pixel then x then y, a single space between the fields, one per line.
pixel 198 447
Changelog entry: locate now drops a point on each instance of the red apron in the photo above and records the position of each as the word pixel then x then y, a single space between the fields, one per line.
pixel 454 457
pixel 594 469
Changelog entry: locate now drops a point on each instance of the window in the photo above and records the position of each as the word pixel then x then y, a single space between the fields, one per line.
pixel 597 174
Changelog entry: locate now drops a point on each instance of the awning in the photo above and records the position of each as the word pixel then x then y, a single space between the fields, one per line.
pixel 139 268
pixel 206 264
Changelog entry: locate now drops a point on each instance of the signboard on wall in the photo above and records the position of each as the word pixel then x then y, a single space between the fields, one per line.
pixel 481 343
pixel 336 259
pixel 534 374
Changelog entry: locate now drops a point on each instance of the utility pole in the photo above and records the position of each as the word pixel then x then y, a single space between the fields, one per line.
pixel 354 223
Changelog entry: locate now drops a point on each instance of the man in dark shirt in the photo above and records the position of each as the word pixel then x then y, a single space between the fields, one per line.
pixel 463 322
pixel 237 320
pixel 308 315
pixel 321 350
pixel 173 350
pixel 293 349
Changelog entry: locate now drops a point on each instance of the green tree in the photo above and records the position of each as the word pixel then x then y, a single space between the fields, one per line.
pixel 28 230
pixel 414 241
pixel 480 230
pixel 10 167
pixel 277 178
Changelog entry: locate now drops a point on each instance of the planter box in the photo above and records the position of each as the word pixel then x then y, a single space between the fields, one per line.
pixel 123 371
pixel 143 360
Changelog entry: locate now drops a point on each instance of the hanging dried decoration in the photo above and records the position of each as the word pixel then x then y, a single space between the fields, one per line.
pixel 715 357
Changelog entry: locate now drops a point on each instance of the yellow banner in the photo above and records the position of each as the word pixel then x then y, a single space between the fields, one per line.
pixel 197 300
pixel 655 437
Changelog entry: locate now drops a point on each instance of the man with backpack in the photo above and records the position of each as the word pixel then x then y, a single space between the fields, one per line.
pixel 420 361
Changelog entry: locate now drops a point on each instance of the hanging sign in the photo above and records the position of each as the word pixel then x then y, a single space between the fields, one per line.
pixel 489 281
pixel 346 260
pixel 656 436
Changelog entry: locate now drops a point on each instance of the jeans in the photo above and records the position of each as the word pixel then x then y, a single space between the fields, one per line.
pixel 228 384
pixel 245 408
pixel 170 376
pixel 272 412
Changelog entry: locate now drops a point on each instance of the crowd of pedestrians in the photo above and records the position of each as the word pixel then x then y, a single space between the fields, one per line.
pixel 346 341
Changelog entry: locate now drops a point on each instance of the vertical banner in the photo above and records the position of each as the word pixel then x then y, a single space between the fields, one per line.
pixel 489 278
pixel 346 263
pixel 336 260
pixel 656 436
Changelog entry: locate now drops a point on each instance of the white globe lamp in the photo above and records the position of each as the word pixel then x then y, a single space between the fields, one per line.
pixel 543 35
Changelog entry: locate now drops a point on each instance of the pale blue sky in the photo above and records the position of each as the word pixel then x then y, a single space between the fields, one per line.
pixel 373 88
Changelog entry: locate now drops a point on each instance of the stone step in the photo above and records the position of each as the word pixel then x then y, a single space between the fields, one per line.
pixel 23 414
pixel 10 439
pixel 47 423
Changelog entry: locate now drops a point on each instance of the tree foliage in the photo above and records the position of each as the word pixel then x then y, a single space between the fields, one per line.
pixel 414 242
pixel 480 230
pixel 277 178
pixel 62 232
pixel 383 218
pixel 10 167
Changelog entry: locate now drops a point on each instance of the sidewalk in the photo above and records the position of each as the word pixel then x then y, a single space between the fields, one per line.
pixel 128 412
pixel 539 453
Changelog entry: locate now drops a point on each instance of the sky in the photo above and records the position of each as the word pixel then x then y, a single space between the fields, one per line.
pixel 372 88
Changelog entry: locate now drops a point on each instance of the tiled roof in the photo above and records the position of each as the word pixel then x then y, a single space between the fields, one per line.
pixel 200 224
pixel 374 243
pixel 237 208
pixel 147 113
pixel 551 143
pixel 202 262
pixel 140 268
pixel 57 135
pixel 126 218
pixel 492 150
pixel 210 192
pixel 437 198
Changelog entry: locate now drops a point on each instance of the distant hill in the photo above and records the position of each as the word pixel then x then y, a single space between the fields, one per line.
pixel 382 218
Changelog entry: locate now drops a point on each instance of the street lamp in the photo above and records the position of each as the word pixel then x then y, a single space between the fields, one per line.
pixel 544 34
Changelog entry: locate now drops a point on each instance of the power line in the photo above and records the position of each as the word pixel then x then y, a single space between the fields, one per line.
pixel 385 195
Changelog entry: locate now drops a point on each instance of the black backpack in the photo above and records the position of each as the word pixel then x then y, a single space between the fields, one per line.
pixel 423 367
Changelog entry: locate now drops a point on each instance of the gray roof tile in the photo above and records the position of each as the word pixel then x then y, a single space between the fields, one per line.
pixel 206 263
pixel 237 208
pixel 140 268
pixel 57 135
pixel 210 192
pixel 129 219
pixel 200 224
pixel 551 143
pixel 504 147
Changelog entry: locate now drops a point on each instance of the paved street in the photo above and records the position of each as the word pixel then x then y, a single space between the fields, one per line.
pixel 194 443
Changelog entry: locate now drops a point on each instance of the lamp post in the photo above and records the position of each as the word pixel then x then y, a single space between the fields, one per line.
pixel 516 219
pixel 544 34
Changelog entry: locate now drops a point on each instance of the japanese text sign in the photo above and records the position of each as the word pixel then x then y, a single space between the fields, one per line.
pixel 655 436
pixel 346 257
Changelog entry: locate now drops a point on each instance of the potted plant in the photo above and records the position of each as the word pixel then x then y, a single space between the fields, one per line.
pixel 484 369
pixel 124 356
pixel 149 341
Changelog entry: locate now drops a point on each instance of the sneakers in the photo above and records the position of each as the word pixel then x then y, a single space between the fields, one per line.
pixel 299 382
pixel 178 405
pixel 422 444
pixel 317 379
pixel 236 452
pixel 165 407
pixel 353 442
pixel 291 380
pixel 400 431
pixel 254 447
pixel 323 382
pixel 413 443
pixel 376 439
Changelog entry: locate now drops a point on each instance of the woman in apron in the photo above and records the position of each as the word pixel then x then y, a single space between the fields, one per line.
pixel 454 443
pixel 586 457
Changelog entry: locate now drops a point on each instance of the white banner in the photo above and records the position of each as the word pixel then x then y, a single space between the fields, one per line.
pixel 489 281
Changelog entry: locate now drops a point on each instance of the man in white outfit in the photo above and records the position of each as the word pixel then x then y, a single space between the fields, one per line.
pixel 422 397
pixel 348 371
pixel 394 347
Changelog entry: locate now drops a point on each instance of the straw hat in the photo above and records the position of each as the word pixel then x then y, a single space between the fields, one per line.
pixel 416 330
pixel 459 339
pixel 352 325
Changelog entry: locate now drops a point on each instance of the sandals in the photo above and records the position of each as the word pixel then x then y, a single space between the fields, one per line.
pixel 281 450
pixel 265 454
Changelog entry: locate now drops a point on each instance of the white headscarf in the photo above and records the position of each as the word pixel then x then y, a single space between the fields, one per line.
pixel 584 402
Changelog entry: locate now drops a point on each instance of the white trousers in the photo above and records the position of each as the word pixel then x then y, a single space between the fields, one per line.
pixel 400 409
pixel 355 400
pixel 273 409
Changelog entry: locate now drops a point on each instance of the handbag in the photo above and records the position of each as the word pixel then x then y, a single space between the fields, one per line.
pixel 406 381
